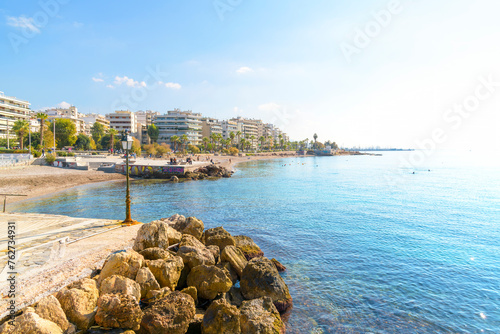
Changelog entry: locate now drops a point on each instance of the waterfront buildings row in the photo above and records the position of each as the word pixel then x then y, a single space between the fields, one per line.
pixel 176 122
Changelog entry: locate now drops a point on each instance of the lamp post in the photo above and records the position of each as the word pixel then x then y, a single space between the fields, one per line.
pixel 127 146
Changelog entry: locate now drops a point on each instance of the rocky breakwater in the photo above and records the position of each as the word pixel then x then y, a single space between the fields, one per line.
pixel 177 278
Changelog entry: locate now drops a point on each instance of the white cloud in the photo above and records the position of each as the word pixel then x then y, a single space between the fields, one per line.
pixel 110 86
pixel 173 85
pixel 271 106
pixel 128 81
pixel 64 105
pixel 23 22
pixel 97 79
pixel 244 70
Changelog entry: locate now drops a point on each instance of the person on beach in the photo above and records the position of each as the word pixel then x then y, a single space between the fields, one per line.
pixel 43 152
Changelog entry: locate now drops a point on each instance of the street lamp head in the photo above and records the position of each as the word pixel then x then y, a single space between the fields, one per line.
pixel 126 141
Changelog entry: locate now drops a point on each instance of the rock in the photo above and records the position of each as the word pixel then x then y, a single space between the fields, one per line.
pixel 152 295
pixel 104 330
pixel 235 257
pixel 119 284
pixel 281 268
pixel 195 325
pixel 146 281
pixel 193 226
pixel 234 296
pixel 194 253
pixel 123 263
pixel 151 235
pixel 167 272
pixel 171 314
pixel 248 247
pixel 118 311
pixel 49 308
pixel 174 221
pixel 260 316
pixel 221 318
pixel 220 237
pixel 209 281
pixel 155 253
pixel 191 290
pixel 231 273
pixel 174 179
pixel 215 252
pixel 32 323
pixel 78 300
pixel 260 278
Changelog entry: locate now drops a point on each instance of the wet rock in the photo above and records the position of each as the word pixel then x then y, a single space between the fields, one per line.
pixel 248 247
pixel 155 253
pixel 235 257
pixel 191 290
pixel 194 253
pixel 260 278
pixel 118 311
pixel 78 300
pixel 171 314
pixel 167 272
pixel 146 281
pixel 49 308
pixel 209 281
pixel 220 237
pixel 174 179
pixel 260 316
pixel 221 318
pixel 281 268
pixel 151 235
pixel 123 263
pixel 119 284
pixel 30 322
pixel 215 252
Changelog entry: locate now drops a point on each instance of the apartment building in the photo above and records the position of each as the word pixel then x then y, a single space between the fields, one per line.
pixel 249 129
pixel 123 120
pixel 11 109
pixel 210 126
pixel 70 113
pixel 90 119
pixel 229 126
pixel 179 123
pixel 147 117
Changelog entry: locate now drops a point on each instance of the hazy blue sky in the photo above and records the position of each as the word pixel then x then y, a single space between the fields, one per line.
pixel 364 72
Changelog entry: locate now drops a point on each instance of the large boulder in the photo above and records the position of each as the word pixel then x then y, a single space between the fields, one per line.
pixel 150 235
pixel 123 263
pixel 167 272
pixel 190 225
pixel 220 237
pixel 279 266
pixel 146 281
pixel 260 278
pixel 235 257
pixel 78 300
pixel 49 308
pixel 194 253
pixel 118 311
pixel 191 290
pixel 30 322
pixel 171 314
pixel 234 296
pixel 260 316
pixel 119 284
pixel 209 281
pixel 215 252
pixel 248 247
pixel 221 318
pixel 155 253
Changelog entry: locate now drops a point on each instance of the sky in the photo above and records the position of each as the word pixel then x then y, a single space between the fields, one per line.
pixel 398 73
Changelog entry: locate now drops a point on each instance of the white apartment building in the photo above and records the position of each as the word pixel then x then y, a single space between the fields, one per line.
pixel 229 126
pixel 210 126
pixel 123 120
pixel 147 117
pixel 11 109
pixel 249 128
pixel 178 123
pixel 90 119
pixel 67 113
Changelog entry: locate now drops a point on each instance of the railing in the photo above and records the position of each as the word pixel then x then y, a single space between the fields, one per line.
pixel 7 160
pixel 5 199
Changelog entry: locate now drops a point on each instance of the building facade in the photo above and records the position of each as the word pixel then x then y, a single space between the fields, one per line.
pixel 70 113
pixel 123 120
pixel 210 126
pixel 179 123
pixel 11 110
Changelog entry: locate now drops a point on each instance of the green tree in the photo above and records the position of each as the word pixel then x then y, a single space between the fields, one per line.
pixel 153 133
pixel 184 140
pixel 97 131
pixel 42 117
pixel 315 136
pixel 65 132
pixel 205 142
pixel 238 134
pixel 48 139
pixel 21 128
pixel 232 135
pixel 35 140
pixel 136 146
pixel 175 140
pixel 82 142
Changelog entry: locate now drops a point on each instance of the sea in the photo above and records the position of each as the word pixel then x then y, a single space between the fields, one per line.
pixel 402 242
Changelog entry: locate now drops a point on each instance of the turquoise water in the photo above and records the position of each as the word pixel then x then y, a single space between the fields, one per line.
pixel 370 247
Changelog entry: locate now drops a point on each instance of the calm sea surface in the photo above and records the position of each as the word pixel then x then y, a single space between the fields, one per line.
pixel 370 247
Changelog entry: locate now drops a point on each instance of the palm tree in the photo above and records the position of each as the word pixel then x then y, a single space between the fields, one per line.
pixel 243 142
pixel 175 141
pixel 184 140
pixel 112 133
pixel 232 135
pixel 205 142
pixel 252 138
pixel 21 127
pixel 280 136
pixel 42 117
pixel 238 134
pixel 262 140
pixel 315 137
